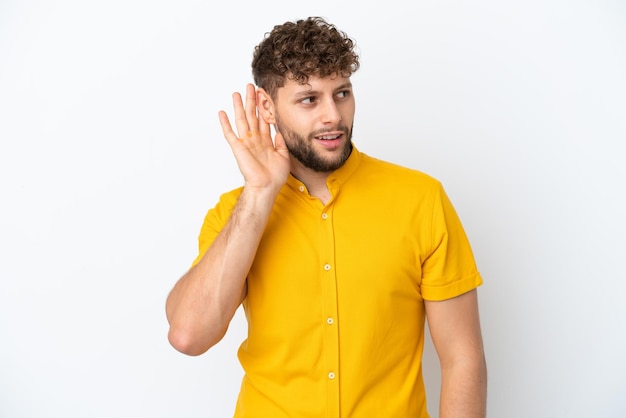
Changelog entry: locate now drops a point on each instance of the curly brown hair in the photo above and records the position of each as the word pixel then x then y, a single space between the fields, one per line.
pixel 298 50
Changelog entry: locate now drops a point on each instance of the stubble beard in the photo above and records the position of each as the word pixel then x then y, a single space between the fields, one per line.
pixel 302 149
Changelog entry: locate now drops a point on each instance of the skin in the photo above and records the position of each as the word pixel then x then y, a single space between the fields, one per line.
pixel 203 302
pixel 454 326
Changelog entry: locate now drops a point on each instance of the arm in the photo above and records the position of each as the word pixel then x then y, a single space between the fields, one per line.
pixel 202 303
pixel 455 330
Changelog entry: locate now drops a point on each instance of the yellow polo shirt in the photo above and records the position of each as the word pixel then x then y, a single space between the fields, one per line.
pixel 335 294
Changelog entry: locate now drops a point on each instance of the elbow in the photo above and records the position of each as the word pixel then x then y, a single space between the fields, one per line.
pixel 190 343
pixel 193 333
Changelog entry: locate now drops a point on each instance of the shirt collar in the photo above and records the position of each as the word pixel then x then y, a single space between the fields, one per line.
pixel 338 177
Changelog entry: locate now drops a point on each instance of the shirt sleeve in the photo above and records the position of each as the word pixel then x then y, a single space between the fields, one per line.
pixel 214 221
pixel 450 268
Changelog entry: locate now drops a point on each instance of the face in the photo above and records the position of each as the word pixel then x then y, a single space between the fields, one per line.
pixel 316 121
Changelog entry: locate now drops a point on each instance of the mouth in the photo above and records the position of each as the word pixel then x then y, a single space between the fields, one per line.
pixel 328 137
pixel 330 140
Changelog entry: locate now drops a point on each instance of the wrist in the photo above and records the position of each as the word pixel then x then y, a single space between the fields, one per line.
pixel 259 196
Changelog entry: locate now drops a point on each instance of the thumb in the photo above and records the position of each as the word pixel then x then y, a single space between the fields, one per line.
pixel 279 142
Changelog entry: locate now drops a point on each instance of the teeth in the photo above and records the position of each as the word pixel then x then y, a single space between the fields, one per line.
pixel 328 137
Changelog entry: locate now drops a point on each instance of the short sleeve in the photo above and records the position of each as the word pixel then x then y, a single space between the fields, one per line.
pixel 214 221
pixel 450 268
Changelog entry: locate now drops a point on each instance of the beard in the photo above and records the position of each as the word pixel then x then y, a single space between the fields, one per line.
pixel 302 149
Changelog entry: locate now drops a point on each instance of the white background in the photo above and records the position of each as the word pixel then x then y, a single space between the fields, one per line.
pixel 111 153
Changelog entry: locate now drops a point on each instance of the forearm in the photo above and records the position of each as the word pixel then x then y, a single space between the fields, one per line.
pixel 464 389
pixel 455 330
pixel 203 302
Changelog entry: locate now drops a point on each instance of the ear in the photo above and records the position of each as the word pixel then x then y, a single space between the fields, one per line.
pixel 265 106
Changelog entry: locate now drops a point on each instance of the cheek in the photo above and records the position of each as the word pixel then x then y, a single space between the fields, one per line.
pixel 347 114
pixel 297 124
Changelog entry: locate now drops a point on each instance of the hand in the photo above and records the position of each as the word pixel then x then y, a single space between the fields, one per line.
pixel 264 163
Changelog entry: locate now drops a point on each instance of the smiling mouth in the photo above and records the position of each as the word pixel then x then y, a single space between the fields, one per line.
pixel 328 137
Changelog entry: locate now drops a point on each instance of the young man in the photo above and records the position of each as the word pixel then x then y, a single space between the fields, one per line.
pixel 337 257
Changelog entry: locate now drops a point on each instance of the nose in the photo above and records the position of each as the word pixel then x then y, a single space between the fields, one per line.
pixel 330 114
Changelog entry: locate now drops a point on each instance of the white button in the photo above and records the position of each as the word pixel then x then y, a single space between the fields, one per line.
pixel 330 321
pixel 331 375
pixel 301 188
pixel 326 267
pixel 324 215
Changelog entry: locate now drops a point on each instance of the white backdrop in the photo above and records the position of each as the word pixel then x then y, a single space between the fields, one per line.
pixel 111 153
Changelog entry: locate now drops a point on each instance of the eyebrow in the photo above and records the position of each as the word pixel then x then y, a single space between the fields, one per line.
pixel 307 93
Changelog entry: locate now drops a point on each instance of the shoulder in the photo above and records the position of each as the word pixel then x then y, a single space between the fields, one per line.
pixel 230 197
pixel 221 211
pixel 389 173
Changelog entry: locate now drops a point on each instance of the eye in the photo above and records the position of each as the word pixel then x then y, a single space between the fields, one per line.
pixel 343 94
pixel 308 100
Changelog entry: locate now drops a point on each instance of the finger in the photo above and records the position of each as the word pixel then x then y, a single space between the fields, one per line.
pixel 264 129
pixel 251 111
pixel 240 116
pixel 227 129
pixel 279 142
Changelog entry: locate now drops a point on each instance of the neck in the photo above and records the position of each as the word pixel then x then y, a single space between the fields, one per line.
pixel 314 181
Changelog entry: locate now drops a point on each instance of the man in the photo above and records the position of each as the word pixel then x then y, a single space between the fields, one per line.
pixel 337 257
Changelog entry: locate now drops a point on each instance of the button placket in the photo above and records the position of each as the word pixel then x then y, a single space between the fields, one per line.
pixel 328 281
